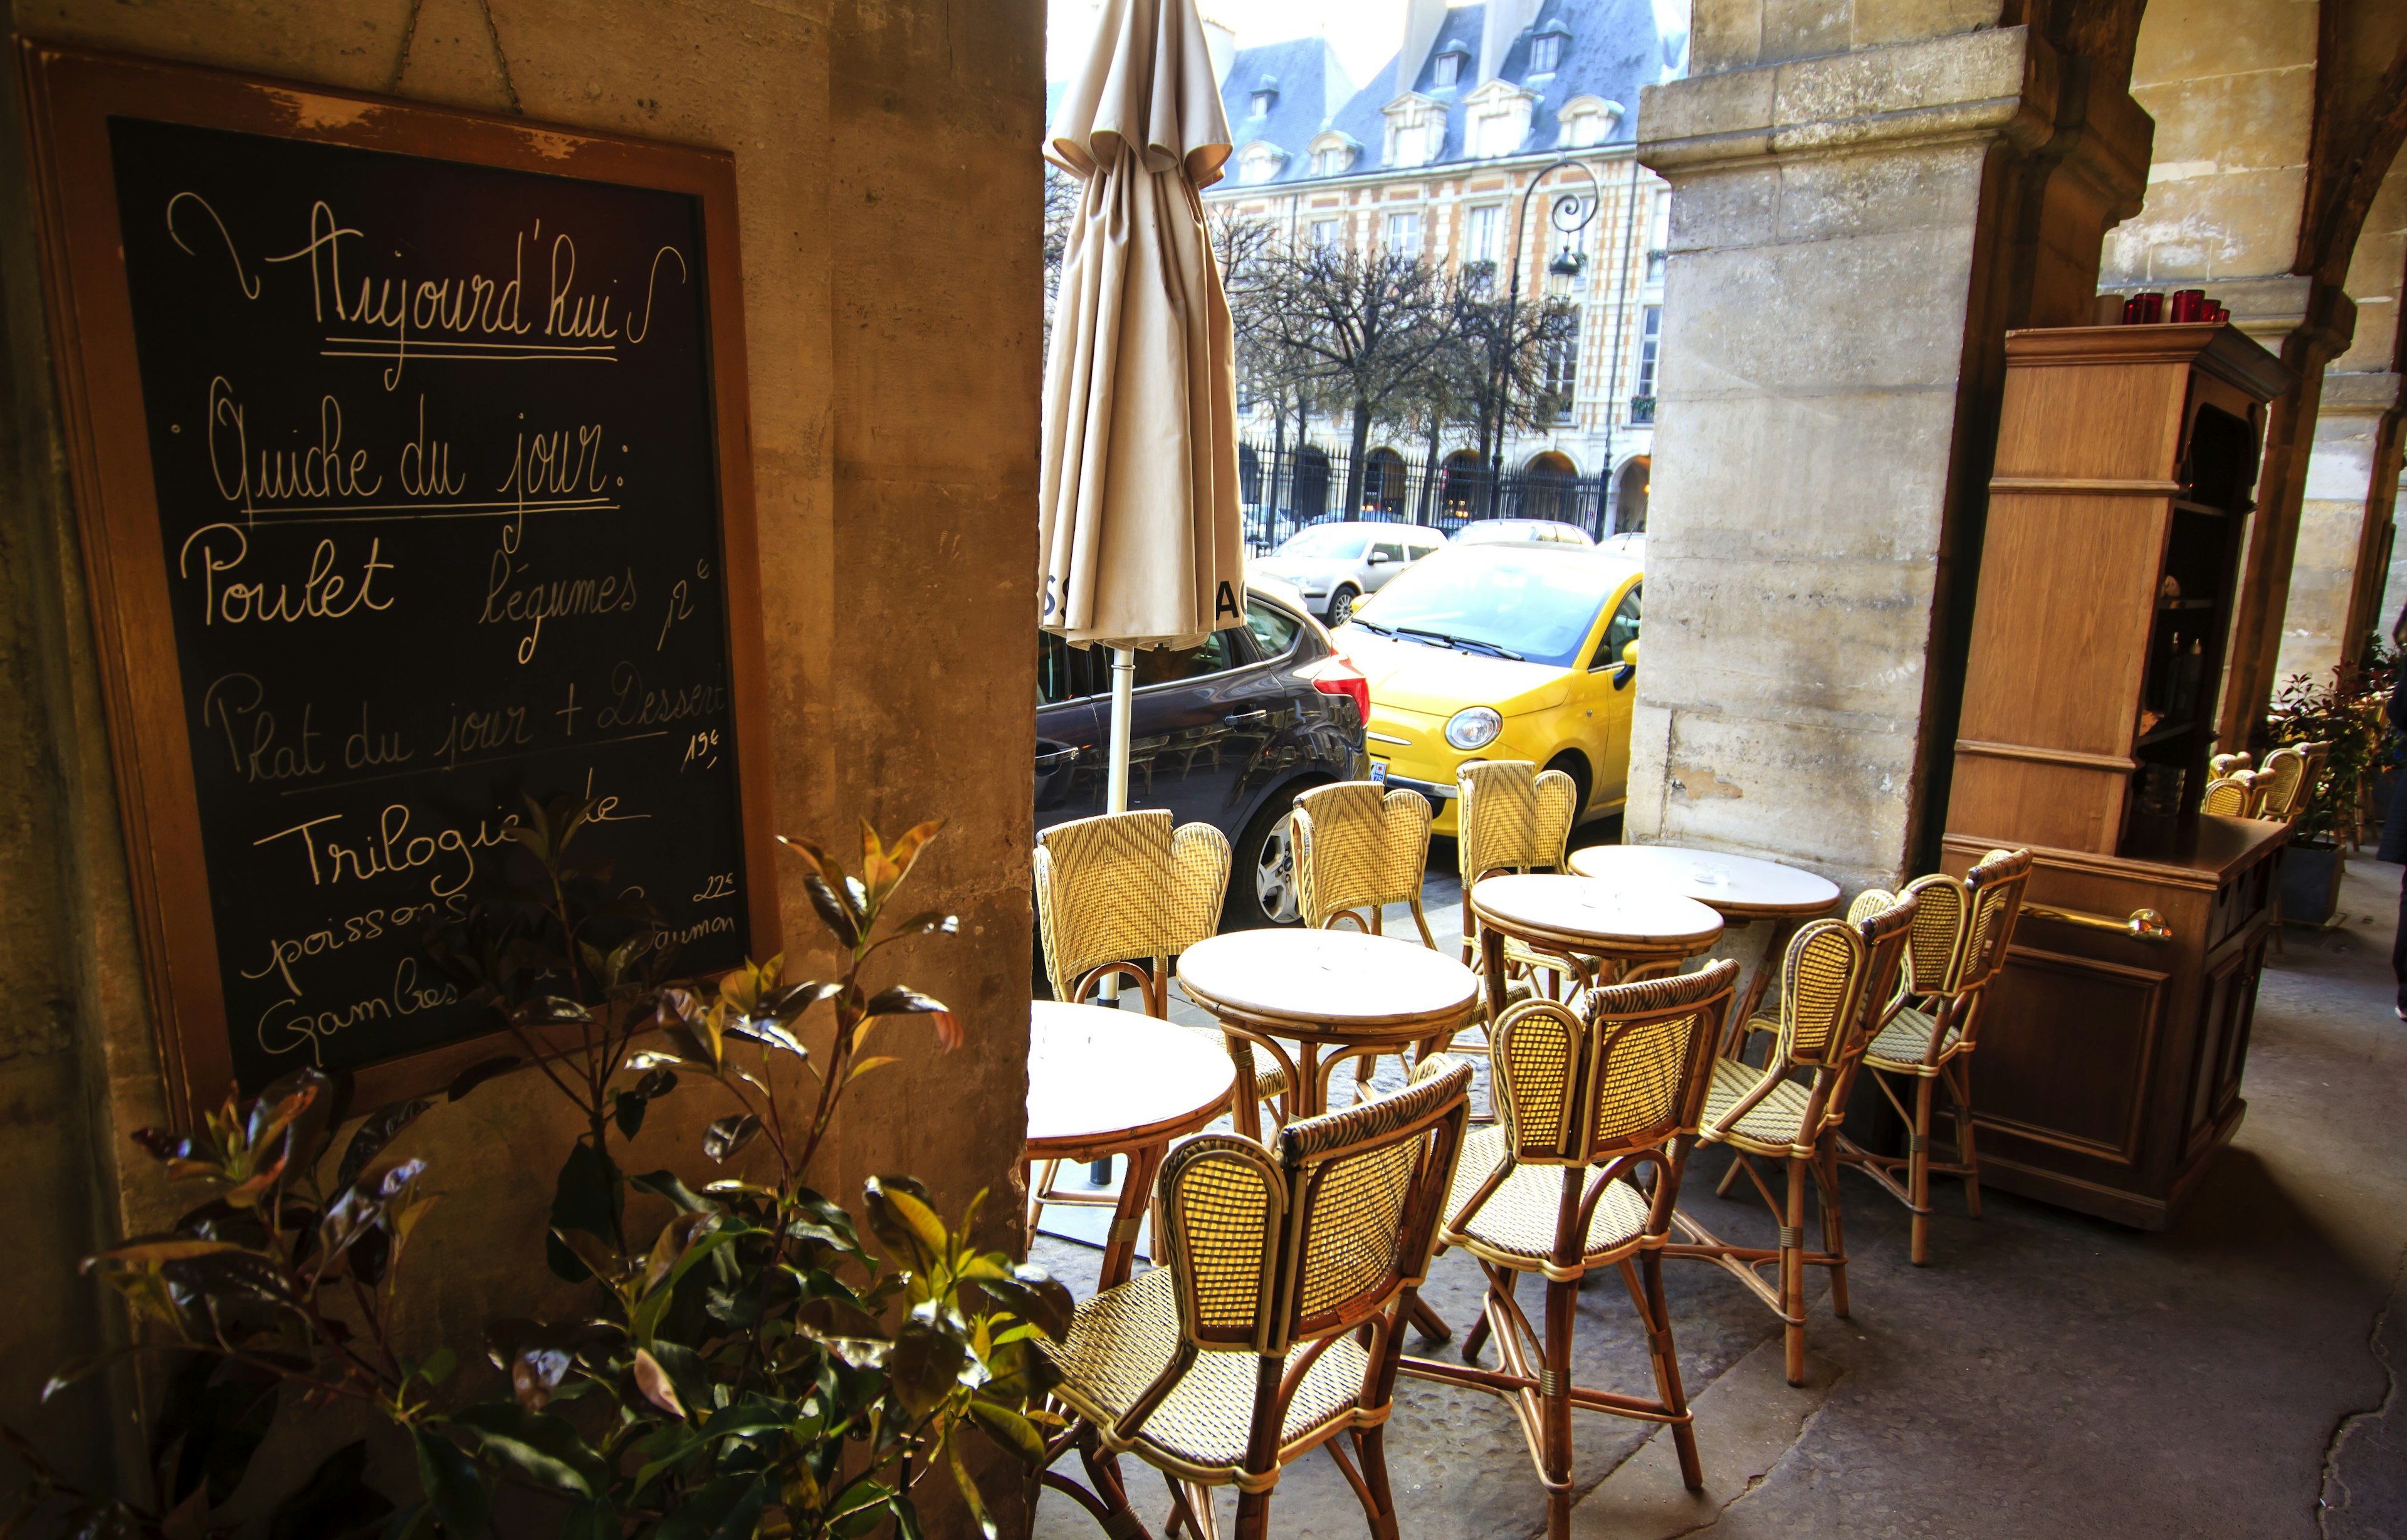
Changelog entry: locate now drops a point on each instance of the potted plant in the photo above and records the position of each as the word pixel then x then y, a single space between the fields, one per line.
pixel 2346 712
pixel 746 1365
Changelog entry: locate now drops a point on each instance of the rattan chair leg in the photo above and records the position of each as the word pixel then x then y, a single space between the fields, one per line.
pixel 1555 1403
pixel 1792 1273
pixel 1729 1176
pixel 1917 1155
pixel 1253 1516
pixel 1646 1294
pixel 1373 1445
pixel 1834 1232
pixel 1959 1088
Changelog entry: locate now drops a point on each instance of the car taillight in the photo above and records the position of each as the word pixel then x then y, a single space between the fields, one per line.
pixel 1334 675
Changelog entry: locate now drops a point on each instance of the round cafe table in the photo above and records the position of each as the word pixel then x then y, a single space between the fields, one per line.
pixel 1338 993
pixel 1743 889
pixel 1106 1082
pixel 1630 932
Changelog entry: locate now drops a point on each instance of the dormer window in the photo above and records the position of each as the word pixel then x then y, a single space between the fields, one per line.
pixel 1446 72
pixel 1265 95
pixel 1416 130
pixel 1332 154
pixel 1546 49
pixel 1259 162
pixel 1588 121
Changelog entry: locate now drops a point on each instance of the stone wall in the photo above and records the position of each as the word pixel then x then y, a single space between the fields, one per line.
pixel 887 182
pixel 1865 196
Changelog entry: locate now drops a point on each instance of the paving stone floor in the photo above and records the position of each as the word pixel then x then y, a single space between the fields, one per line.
pixel 2047 1374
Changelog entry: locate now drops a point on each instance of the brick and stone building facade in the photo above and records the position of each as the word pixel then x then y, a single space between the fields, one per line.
pixel 1433 155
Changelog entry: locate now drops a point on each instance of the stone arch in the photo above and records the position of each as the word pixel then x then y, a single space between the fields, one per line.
pixel 1630 488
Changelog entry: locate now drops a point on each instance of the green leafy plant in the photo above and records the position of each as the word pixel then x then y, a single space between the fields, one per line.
pixel 752 1369
pixel 2346 710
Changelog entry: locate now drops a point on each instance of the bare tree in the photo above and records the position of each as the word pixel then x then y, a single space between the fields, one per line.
pixel 1361 327
pixel 1500 365
pixel 1061 194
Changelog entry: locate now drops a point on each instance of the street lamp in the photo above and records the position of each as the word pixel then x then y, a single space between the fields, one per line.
pixel 1565 267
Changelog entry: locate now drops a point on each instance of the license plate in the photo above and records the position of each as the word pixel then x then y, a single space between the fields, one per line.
pixel 1378 772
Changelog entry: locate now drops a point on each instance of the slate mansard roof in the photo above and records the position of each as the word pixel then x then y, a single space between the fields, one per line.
pixel 1613 48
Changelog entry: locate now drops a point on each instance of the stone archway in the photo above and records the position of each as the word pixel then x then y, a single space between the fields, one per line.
pixel 1630 492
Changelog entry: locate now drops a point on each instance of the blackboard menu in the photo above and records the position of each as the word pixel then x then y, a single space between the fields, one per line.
pixel 438 499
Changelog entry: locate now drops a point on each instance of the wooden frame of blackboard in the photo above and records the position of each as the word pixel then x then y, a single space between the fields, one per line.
pixel 69 95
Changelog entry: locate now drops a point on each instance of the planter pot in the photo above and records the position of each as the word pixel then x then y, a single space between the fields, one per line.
pixel 2311 883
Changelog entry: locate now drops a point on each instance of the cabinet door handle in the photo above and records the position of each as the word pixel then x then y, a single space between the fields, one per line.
pixel 2142 924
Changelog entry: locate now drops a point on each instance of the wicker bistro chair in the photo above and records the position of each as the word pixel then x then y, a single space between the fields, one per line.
pixel 1587 1098
pixel 1512 817
pixel 1359 848
pixel 1961 931
pixel 2290 775
pixel 1835 981
pixel 2238 794
pixel 1109 890
pixel 1277 1324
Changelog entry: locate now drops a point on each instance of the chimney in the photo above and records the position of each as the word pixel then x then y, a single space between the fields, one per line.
pixel 1422 19
pixel 1220 42
pixel 1506 21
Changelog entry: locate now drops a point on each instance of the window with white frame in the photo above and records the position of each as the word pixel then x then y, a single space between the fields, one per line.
pixel 1650 338
pixel 1483 230
pixel 1658 238
pixel 1404 234
pixel 1447 73
pixel 1321 232
pixel 1546 49
pixel 1259 161
pixel 1500 133
pixel 1587 121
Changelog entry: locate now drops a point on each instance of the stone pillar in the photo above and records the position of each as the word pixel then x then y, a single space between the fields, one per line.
pixel 1861 206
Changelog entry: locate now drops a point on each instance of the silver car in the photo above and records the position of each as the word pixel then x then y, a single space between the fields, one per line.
pixel 1545 532
pixel 1333 565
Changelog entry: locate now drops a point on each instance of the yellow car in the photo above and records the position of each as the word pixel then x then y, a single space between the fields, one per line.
pixel 1501 652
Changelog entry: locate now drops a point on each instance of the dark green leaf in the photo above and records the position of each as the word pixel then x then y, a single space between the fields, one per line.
pixel 925 1366
pixel 970 1493
pixel 898 1000
pixel 729 1134
pixel 414 1522
pixel 333 1503
pixel 1019 1372
pixel 477 1074
pixel 1009 1429
pixel 374 1134
pixel 725 1508
pixel 860 1508
pixel 834 912
pixel 1034 1296
pixel 452 1486
pixel 586 1198
pixel 664 1184
pixel 592 1521
pixel 629 1114
pixel 535 1445
pixel 902 1216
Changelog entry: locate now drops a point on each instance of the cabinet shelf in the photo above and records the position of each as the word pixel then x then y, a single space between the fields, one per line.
pixel 2207 509
pixel 2165 733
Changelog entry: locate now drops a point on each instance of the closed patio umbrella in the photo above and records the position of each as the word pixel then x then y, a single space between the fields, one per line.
pixel 1138 526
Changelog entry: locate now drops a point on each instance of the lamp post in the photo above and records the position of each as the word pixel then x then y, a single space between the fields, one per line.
pixel 1565 265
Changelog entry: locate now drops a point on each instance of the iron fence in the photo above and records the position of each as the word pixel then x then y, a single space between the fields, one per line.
pixel 1284 487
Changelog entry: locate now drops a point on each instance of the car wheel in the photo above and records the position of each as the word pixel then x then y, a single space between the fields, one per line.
pixel 1574 764
pixel 1261 873
pixel 1341 606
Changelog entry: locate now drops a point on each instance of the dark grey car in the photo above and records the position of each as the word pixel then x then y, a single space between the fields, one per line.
pixel 1226 733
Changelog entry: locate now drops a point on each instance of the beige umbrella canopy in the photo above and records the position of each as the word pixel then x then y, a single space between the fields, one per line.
pixel 1139 527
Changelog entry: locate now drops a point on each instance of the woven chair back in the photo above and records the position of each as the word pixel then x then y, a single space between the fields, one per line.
pixel 1358 846
pixel 1268 1249
pixel 2279 782
pixel 1892 980
pixel 1511 816
pixel 1935 950
pixel 1125 885
pixel 1995 889
pixel 1630 1074
pixel 2226 764
pixel 2230 796
pixel 1822 983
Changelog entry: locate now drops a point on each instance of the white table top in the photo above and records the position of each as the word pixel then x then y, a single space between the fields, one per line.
pixel 1582 909
pixel 1738 887
pixel 1330 979
pixel 1095 1073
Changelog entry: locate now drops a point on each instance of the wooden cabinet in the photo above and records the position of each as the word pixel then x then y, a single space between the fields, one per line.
pixel 2110 1062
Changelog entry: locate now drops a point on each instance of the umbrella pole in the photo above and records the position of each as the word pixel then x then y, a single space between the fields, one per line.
pixel 1115 801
